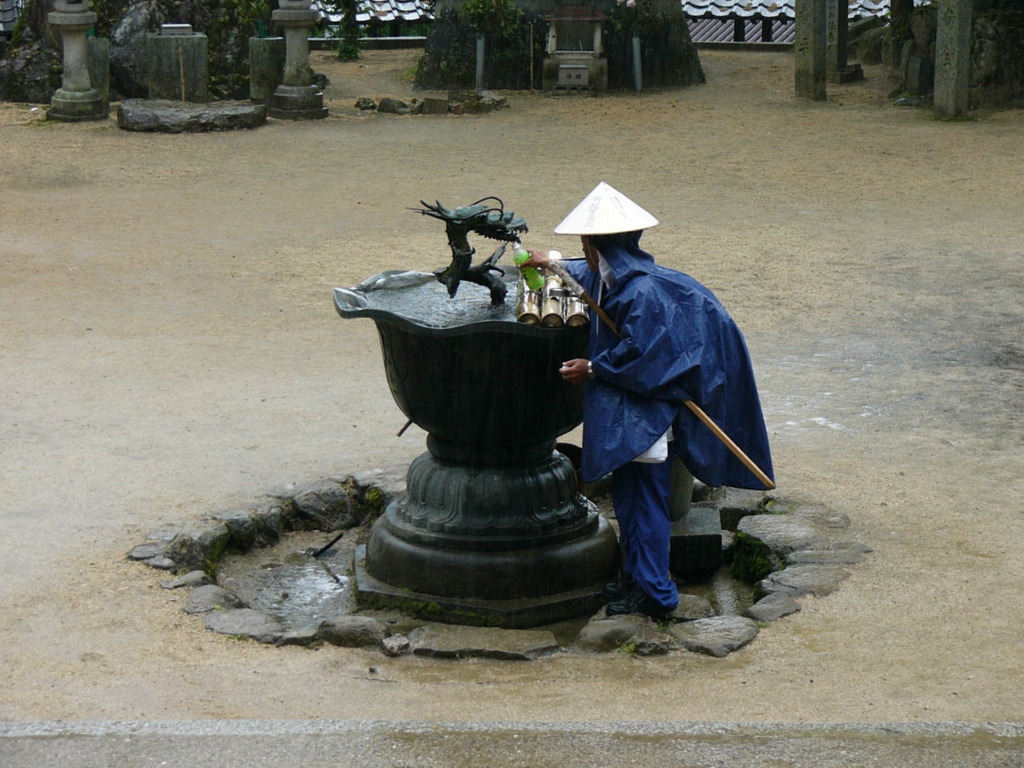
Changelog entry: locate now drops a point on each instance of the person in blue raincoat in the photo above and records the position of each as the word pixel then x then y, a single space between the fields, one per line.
pixel 673 342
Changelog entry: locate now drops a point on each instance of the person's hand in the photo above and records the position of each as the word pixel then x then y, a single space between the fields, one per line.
pixel 575 371
pixel 537 259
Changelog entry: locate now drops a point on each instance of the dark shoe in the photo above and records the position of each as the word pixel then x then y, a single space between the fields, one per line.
pixel 618 589
pixel 637 601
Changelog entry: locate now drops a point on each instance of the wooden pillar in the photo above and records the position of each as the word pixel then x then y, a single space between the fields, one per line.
pixel 953 58
pixel 766 30
pixel 809 49
pixel 739 30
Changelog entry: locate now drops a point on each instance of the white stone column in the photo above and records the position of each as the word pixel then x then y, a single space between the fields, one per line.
pixel 76 99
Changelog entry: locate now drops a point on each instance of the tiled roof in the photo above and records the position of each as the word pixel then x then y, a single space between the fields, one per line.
pixel 774 9
pixel 381 10
pixel 712 29
pixel 9 12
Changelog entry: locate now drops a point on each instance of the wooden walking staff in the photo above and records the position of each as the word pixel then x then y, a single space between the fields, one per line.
pixel 574 286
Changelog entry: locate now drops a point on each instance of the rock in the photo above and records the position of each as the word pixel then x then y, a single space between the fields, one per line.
pixel 484 102
pixel 198 545
pixel 782 533
pixel 734 504
pixel 304 636
pixel 269 522
pixel 718 636
pixel 390 481
pixel 329 506
pixel 825 557
pixel 191 579
pixel 32 75
pixel 146 551
pixel 450 641
pixel 393 106
pixel 434 104
pixel 245 622
pixel 365 104
pixel 607 633
pixel 241 528
pixel 396 645
pixel 772 607
pixel 353 632
pixel 161 563
pixel 692 607
pixel 158 116
pixel 800 580
pixel 211 597
pixel 128 48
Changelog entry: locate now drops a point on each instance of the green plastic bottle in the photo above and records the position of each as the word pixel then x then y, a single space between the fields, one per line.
pixel 534 279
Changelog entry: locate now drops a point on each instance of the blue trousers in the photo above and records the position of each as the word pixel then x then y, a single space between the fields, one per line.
pixel 640 494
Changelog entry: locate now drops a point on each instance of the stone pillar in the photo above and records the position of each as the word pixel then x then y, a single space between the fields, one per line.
pixel 809 49
pixel 297 98
pixel 266 67
pixel 76 99
pixel 953 58
pixel 178 65
pixel 837 19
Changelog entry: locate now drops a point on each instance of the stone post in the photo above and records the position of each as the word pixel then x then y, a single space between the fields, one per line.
pixel 296 98
pixel 952 58
pixel 76 99
pixel 266 67
pixel 809 49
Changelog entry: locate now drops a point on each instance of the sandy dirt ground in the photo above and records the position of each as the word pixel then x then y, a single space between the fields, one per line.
pixel 169 348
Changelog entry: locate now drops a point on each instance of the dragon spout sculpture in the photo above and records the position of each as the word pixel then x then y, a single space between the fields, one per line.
pixel 486 217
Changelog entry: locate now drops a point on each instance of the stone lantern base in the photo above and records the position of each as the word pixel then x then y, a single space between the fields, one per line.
pixel 297 102
pixel 77 106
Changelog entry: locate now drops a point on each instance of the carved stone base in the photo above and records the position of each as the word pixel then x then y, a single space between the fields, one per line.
pixel 76 106
pixel 297 102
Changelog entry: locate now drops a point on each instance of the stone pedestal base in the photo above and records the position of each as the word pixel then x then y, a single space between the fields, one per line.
pixel 297 102
pixel 76 106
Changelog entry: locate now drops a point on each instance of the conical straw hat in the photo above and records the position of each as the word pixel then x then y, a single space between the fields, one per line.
pixel 605 211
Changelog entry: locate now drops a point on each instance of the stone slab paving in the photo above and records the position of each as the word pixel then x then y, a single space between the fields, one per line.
pixel 380 744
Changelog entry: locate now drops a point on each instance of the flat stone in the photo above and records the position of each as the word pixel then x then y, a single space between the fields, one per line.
pixel 191 579
pixel 734 504
pixel 692 607
pixel 782 533
pixel 606 633
pixel 353 632
pixel 211 597
pixel 245 622
pixel 800 580
pixel 825 557
pixel 718 636
pixel 455 642
pixel 772 607
pixel 365 104
pixel 163 116
pixel 161 563
pixel 146 551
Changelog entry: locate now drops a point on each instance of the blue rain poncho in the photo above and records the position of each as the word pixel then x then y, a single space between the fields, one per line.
pixel 677 343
